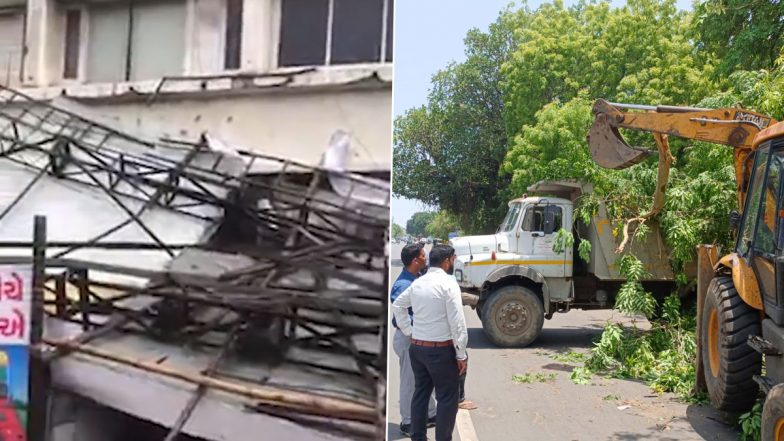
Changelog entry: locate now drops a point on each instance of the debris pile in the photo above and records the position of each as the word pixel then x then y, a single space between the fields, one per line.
pixel 229 275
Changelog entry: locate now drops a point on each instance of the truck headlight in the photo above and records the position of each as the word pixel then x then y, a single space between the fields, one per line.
pixel 459 275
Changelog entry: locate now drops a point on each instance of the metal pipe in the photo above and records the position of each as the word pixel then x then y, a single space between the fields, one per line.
pixel 287 399
pixel 660 108
pixel 201 389
pixel 39 374
pixel 122 245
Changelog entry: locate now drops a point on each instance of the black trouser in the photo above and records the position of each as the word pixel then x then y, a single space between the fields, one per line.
pixel 434 368
pixel 461 394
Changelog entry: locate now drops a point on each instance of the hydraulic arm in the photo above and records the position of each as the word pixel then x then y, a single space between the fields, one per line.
pixel 734 127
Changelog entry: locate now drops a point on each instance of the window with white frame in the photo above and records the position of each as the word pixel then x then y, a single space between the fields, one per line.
pixel 11 37
pixel 139 40
pixel 334 32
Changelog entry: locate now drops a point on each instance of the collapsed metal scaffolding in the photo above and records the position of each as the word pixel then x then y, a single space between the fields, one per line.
pixel 286 272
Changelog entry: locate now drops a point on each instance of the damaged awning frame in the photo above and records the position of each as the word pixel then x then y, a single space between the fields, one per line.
pixel 314 241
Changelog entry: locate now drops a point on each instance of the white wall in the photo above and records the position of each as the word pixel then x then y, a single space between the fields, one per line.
pixel 289 124
pixel 291 118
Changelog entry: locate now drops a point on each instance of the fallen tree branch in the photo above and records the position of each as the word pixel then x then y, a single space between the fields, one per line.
pixel 626 232
pixel 659 194
pixel 663 176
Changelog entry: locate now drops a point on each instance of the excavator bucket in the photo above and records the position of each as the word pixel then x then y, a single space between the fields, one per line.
pixel 608 148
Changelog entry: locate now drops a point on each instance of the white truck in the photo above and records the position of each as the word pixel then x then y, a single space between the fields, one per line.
pixel 514 279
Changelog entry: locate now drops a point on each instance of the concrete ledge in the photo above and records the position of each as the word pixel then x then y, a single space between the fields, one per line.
pixel 283 80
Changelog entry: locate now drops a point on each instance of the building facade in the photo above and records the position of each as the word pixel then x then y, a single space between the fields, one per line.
pixel 273 76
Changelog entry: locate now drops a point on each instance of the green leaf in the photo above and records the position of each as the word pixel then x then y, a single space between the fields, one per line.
pixel 584 250
pixel 562 240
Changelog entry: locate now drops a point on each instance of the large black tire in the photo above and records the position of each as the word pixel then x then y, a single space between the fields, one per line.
pixel 512 316
pixel 773 415
pixel 730 363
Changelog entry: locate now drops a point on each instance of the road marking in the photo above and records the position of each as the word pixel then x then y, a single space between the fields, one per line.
pixel 465 427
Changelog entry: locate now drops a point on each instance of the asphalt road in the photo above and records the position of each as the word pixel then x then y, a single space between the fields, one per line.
pixel 551 406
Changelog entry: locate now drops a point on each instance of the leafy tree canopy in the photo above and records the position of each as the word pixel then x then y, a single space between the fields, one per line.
pixel 397 230
pixel 417 225
pixel 518 109
pixel 636 53
pixel 441 225
pixel 448 152
pixel 743 34
pixel 761 90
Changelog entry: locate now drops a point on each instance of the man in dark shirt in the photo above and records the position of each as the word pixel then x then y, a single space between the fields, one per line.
pixel 414 261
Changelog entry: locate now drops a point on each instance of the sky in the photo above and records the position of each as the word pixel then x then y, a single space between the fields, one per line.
pixel 428 36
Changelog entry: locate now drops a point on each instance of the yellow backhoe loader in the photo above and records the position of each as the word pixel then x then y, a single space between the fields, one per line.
pixel 740 296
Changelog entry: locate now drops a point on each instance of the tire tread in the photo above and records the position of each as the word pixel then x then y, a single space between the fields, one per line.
pixel 734 388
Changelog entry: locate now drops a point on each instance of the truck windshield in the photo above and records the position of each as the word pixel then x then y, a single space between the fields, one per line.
pixel 511 218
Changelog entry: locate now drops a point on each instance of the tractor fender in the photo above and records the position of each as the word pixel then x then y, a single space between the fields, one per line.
pixel 744 279
pixel 525 272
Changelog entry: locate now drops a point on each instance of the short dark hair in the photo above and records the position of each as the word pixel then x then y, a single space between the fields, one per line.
pixel 410 252
pixel 440 253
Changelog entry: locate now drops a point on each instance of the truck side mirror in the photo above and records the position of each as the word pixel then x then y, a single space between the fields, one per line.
pixel 549 219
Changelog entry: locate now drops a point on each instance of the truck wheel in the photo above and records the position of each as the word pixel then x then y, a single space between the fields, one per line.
pixel 773 415
pixel 512 316
pixel 730 363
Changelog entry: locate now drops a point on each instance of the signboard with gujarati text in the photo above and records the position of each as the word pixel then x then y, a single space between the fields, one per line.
pixel 16 295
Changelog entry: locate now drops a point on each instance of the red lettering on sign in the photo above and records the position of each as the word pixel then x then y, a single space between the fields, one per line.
pixel 13 326
pixel 12 289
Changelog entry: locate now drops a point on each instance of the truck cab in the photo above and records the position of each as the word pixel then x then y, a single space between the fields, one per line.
pixel 515 278
pixel 515 274
pixel 525 238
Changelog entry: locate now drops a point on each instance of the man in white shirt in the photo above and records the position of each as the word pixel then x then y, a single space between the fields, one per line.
pixel 438 342
pixel 413 258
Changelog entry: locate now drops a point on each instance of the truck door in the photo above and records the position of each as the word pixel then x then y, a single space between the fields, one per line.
pixel 537 235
